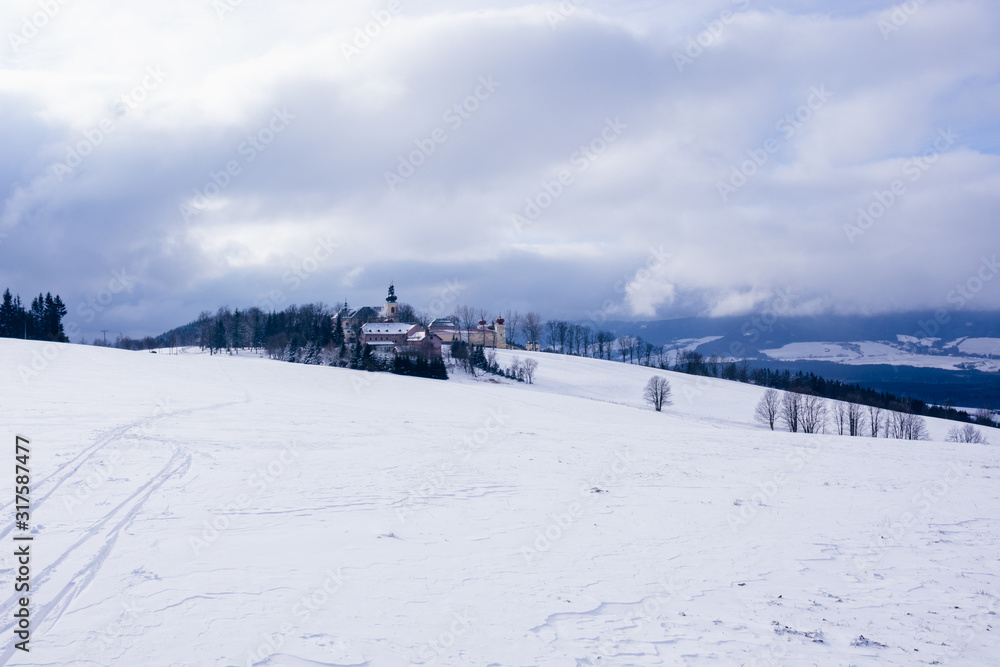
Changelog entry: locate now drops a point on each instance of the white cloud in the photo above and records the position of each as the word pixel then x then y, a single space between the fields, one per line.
pixel 655 185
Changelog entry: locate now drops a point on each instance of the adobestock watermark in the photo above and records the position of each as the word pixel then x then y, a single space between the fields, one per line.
pixel 581 160
pixel 121 281
pixel 656 259
pixel 562 12
pixel 920 506
pixel 454 116
pixel 98 473
pixel 650 615
pixel 95 136
pixel 89 309
pixel 299 272
pixel 430 652
pixel 364 35
pixel 434 481
pixel 962 295
pixel 883 200
pixel 32 25
pixel 560 523
pixel 769 489
pixel 225 7
pixel 898 16
pixel 787 126
pixel 762 322
pixel 259 482
pixel 361 380
pixel 109 638
pixel 714 28
pixel 693 388
pixel 444 303
pixel 249 150
pixel 314 601
pixel 978 623
pixel 777 656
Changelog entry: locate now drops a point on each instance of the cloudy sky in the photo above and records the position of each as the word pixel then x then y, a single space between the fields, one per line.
pixel 631 159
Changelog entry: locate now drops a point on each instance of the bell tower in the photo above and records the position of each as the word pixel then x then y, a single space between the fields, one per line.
pixel 500 333
pixel 391 307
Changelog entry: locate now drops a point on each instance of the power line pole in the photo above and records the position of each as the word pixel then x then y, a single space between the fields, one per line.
pixel 105 332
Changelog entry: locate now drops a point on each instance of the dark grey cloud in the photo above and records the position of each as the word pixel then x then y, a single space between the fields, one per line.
pixel 647 220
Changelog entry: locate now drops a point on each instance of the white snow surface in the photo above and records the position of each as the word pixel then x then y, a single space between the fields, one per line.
pixel 229 510
pixel 871 352
pixel 983 346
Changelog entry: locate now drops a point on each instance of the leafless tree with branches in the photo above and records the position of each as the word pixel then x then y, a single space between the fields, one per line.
pixel 657 392
pixel 967 434
pixel 767 408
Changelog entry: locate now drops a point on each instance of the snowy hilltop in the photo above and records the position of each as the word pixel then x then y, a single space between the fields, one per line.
pixel 230 510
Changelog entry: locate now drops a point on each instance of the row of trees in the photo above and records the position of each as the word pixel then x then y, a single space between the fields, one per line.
pixel 576 339
pixel 810 413
pixel 475 358
pixel 308 334
pixel 42 321
pixel 313 334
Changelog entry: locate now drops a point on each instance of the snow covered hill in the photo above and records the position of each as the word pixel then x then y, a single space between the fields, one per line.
pixel 229 510
pixel 960 354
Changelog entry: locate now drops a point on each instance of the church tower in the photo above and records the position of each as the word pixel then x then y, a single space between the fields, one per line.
pixel 391 307
pixel 501 334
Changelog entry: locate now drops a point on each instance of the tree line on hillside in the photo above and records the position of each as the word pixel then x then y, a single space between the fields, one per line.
pixel 581 340
pixel 41 321
pixel 476 359
pixel 312 334
pixel 812 413
pixel 309 334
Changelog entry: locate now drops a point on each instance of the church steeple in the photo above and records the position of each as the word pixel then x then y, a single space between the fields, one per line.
pixel 391 307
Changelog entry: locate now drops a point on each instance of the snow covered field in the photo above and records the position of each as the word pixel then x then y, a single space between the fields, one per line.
pixel 230 510
pixel 869 352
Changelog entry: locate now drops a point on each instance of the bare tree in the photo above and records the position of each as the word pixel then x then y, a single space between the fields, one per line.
pixel 916 428
pixel 562 330
pixel 657 392
pixel 767 408
pixel 636 351
pixel 529 367
pixel 467 318
pixel 625 347
pixel 840 416
pixel 855 419
pixel 906 426
pixel 984 416
pixel 511 324
pixel 533 327
pixel 967 434
pixel 875 420
pixel 515 369
pixel 585 335
pixel 552 332
pixel 604 339
pixel 791 410
pixel 647 353
pixel 813 415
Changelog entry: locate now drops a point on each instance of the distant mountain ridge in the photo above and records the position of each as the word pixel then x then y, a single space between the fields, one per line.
pixel 943 358
pixel 748 335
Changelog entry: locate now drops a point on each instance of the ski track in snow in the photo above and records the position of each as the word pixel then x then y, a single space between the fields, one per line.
pixel 52 482
pixel 95 537
pixel 364 522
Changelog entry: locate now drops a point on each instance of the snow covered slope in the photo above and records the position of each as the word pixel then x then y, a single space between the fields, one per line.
pixel 908 351
pixel 197 510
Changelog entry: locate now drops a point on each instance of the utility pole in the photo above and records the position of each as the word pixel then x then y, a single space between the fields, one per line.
pixel 105 332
